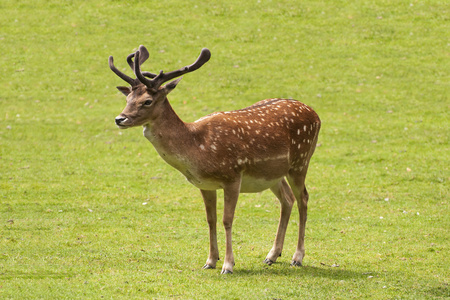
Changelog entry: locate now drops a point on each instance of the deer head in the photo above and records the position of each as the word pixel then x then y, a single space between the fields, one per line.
pixel 147 92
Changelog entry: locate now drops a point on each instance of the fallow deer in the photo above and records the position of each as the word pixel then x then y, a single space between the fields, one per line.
pixel 263 146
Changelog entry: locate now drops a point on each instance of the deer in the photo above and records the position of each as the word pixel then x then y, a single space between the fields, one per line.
pixel 267 145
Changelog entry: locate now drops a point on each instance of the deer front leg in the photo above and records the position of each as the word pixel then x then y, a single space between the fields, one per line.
pixel 231 194
pixel 210 200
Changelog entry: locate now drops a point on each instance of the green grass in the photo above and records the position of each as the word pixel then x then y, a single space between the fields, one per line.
pixel 73 223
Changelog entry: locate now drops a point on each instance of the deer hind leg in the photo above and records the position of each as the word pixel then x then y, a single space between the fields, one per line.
pixel 210 199
pixel 231 195
pixel 297 182
pixel 287 199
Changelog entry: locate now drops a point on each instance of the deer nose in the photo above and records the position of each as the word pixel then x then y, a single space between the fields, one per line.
pixel 120 120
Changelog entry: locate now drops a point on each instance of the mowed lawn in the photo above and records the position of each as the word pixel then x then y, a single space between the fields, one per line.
pixel 88 211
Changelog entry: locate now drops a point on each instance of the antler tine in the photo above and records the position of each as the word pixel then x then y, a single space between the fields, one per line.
pixel 204 56
pixel 131 63
pixel 144 55
pixel 137 70
pixel 130 60
pixel 127 78
pixel 149 74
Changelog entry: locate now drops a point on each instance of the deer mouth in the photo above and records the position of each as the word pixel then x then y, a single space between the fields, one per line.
pixel 122 122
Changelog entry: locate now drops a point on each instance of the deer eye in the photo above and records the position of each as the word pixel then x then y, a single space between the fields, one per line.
pixel 148 102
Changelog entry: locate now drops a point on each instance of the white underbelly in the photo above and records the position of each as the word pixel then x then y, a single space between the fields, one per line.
pixel 255 185
pixel 207 185
pixel 248 184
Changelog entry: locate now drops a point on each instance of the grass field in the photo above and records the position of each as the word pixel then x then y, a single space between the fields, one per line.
pixel 88 211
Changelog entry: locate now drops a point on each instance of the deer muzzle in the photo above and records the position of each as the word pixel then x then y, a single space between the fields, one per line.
pixel 121 122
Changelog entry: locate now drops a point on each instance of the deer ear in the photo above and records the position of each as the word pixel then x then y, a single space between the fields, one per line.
pixel 171 85
pixel 124 90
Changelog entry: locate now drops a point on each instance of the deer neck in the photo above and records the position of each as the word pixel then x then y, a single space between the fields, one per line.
pixel 170 136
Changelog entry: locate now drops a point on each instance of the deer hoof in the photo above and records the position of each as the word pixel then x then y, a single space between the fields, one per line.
pixel 296 264
pixel 268 262
pixel 226 272
pixel 208 267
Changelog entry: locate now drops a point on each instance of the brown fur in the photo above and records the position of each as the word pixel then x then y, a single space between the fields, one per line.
pixel 263 146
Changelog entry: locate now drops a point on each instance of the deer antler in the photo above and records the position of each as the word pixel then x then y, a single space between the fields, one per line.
pixel 141 56
pixel 144 56
pixel 162 77
pixel 131 81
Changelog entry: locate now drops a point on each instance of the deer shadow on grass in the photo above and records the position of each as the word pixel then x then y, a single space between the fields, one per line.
pixel 335 273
